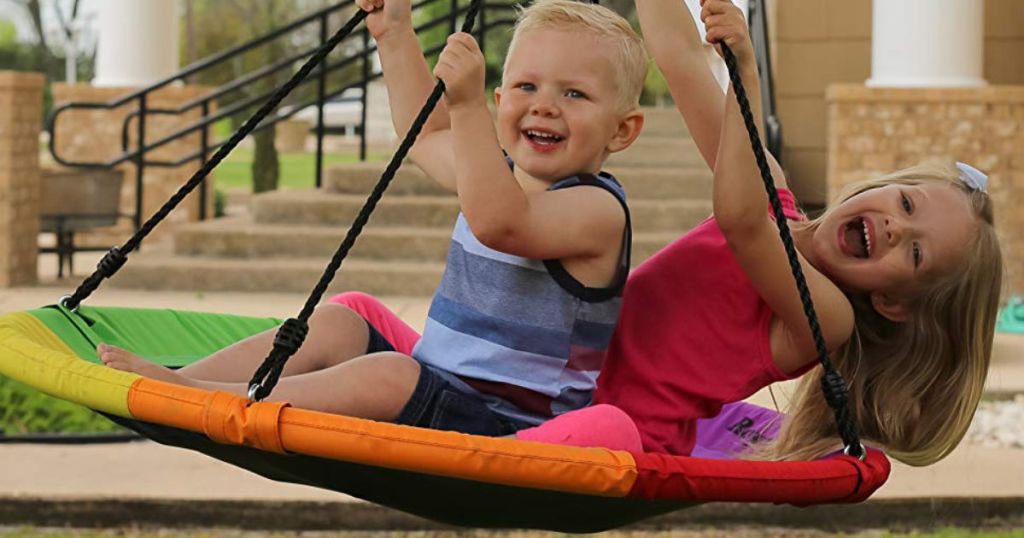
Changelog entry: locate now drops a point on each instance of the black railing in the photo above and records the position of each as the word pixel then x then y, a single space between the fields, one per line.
pixel 359 52
pixel 758 20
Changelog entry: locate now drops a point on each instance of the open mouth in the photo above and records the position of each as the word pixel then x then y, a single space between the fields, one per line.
pixel 543 138
pixel 857 238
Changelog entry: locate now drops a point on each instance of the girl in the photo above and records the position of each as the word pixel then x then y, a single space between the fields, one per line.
pixel 904 271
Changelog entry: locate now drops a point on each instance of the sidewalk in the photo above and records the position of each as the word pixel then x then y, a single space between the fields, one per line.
pixel 145 470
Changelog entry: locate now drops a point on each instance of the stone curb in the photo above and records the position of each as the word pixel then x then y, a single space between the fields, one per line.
pixel 895 515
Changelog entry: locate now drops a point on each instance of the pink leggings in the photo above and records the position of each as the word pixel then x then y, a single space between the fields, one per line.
pixel 600 425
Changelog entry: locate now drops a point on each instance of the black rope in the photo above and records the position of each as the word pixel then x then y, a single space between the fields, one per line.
pixel 268 374
pixel 117 256
pixel 832 382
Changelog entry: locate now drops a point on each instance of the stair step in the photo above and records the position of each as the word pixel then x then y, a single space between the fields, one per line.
pixel 314 207
pixel 659 152
pixel 165 272
pixel 360 178
pixel 241 238
pixel 639 182
pixel 663 121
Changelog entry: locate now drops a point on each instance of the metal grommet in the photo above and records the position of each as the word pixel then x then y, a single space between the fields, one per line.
pixel 63 302
pixel 863 452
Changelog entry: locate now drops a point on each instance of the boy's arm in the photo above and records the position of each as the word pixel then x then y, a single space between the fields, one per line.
pixel 577 222
pixel 409 83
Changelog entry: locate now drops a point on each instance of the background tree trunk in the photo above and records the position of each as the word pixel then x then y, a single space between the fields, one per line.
pixel 265 169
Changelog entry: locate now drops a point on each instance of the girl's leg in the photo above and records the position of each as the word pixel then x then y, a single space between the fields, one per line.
pixel 391 327
pixel 375 386
pixel 600 425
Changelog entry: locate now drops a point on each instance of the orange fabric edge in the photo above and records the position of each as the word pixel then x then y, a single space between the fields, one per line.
pixel 591 471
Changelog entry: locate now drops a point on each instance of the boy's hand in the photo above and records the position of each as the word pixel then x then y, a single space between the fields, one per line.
pixel 725 23
pixel 461 67
pixel 383 18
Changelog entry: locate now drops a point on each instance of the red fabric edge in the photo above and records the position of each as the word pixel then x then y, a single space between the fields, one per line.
pixel 838 479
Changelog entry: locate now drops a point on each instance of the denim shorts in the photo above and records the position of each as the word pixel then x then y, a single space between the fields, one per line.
pixel 441 401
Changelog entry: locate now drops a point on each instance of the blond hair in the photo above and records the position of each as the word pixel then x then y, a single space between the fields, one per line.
pixel 914 386
pixel 571 15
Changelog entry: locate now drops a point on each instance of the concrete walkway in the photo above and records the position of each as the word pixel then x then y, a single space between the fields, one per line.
pixel 145 470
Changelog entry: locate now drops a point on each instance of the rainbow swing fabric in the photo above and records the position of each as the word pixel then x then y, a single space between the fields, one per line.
pixel 445 476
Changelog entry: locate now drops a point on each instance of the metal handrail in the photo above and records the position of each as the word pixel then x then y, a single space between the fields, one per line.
pixel 209 120
pixel 135 120
pixel 762 48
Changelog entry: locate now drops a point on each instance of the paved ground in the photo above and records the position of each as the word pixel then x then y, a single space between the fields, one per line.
pixel 144 470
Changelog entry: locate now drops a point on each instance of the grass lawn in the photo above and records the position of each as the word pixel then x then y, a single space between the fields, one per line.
pixel 25 410
pixel 297 169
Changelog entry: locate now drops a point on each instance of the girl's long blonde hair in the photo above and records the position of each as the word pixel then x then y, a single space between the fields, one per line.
pixel 914 386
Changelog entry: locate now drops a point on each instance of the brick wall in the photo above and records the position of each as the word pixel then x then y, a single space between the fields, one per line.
pixel 21 111
pixel 877 130
pixel 821 42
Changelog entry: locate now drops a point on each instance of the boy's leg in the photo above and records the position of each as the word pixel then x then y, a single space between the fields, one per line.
pixel 336 334
pixel 375 386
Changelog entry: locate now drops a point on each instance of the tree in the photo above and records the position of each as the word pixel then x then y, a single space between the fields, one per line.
pixel 212 26
pixel 48 54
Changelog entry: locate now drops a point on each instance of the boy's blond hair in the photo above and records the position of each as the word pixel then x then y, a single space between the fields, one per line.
pixel 597 20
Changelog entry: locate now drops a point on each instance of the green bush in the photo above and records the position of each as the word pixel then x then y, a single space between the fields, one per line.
pixel 25 410
pixel 220 203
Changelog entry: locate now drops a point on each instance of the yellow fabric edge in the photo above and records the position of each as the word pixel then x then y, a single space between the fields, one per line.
pixel 32 354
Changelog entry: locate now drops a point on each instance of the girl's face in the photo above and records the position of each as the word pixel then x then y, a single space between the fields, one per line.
pixel 894 239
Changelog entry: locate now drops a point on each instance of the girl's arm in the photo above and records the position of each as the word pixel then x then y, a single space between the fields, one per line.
pixel 577 222
pixel 671 35
pixel 741 211
pixel 409 83
pixel 672 38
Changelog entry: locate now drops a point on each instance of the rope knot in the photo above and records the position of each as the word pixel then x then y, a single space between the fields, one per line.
pixel 290 336
pixel 834 387
pixel 111 262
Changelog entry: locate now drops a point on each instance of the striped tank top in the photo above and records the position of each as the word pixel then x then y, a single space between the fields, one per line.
pixel 524 333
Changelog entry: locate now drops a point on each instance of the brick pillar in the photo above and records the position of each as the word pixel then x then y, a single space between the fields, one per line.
pixel 95 135
pixel 21 112
pixel 873 131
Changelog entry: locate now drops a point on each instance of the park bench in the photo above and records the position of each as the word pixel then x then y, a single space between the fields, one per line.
pixel 77 200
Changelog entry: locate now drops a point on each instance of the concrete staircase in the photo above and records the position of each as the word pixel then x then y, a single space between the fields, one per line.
pixel 288 237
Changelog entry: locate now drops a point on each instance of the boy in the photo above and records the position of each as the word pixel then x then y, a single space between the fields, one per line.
pixel 532 288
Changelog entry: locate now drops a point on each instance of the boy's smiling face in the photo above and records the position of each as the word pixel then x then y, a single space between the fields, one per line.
pixel 559 106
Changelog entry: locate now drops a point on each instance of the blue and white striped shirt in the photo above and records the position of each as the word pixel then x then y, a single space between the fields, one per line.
pixel 523 332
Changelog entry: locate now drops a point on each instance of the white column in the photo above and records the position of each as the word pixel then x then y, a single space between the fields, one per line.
pixel 138 42
pixel 927 43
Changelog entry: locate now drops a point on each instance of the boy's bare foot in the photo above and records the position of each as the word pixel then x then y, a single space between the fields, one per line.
pixel 120 359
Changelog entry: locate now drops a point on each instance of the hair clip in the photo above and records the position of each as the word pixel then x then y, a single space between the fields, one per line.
pixel 974 178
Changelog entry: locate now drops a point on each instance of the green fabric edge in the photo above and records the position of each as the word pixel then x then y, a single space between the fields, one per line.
pixel 1011 319
pixel 173 338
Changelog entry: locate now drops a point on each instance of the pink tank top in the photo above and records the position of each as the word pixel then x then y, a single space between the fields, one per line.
pixel 692 336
